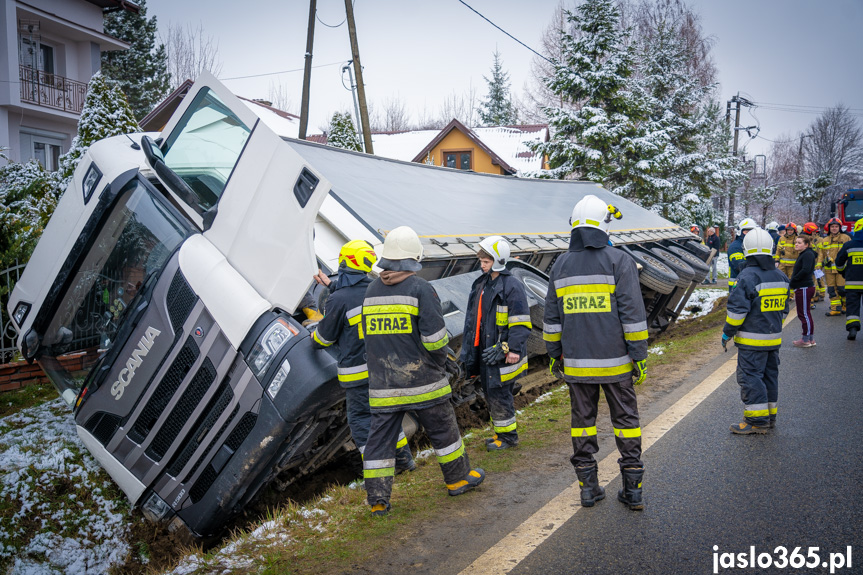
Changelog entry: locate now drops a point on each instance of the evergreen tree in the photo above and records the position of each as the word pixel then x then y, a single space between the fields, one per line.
pixel 106 113
pixel 497 108
pixel 342 133
pixel 600 114
pixel 142 70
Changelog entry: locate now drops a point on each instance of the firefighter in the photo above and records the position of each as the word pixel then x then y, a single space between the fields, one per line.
pixel 735 251
pixel 695 230
pixel 341 326
pixel 595 325
pixel 786 255
pixel 810 229
pixel 773 230
pixel 495 342
pixel 827 252
pixel 849 263
pixel 754 320
pixel 406 350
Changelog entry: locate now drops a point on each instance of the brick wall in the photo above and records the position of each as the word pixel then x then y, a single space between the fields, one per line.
pixel 18 374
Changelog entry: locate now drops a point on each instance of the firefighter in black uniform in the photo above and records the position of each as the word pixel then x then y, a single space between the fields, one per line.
pixel 849 263
pixel 406 340
pixel 595 324
pixel 754 319
pixel 341 326
pixel 735 251
pixel 495 338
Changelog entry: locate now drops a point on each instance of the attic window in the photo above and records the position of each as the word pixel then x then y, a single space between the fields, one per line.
pixel 458 159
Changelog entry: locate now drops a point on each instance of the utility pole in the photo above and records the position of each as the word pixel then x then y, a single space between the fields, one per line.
pixel 307 74
pixel 737 101
pixel 358 73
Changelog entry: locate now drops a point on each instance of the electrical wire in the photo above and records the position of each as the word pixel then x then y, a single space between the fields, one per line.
pixel 505 32
pixel 765 104
pixel 318 18
pixel 275 73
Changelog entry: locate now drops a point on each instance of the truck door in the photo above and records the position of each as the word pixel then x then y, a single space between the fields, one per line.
pixel 253 196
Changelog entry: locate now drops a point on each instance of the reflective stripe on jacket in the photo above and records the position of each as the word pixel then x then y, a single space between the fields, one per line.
pixel 829 248
pixel 756 307
pixel 405 337
pixel 849 262
pixel 505 317
pixel 341 325
pixel 594 312
pixel 736 258
pixel 785 252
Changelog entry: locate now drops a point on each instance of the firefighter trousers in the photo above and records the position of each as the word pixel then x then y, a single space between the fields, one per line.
pixel 501 408
pixel 622 403
pixel 835 289
pixel 852 302
pixel 758 378
pixel 379 461
pixel 360 417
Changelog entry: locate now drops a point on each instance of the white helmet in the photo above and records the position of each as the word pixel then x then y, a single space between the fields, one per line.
pixel 591 212
pixel 498 249
pixel 757 242
pixel 402 250
pixel 746 224
pixel 773 226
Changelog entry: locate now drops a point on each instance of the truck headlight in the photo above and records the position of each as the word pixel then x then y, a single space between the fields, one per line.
pixel 21 311
pixel 91 180
pixel 269 344
pixel 155 508
pixel 279 380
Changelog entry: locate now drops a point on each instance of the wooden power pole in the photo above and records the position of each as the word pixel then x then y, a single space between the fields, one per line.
pixel 307 74
pixel 358 73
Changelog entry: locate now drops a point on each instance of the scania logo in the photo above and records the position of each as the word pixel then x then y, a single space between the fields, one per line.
pixel 199 332
pixel 134 362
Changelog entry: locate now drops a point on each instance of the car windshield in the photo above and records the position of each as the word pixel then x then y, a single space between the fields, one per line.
pixel 854 210
pixel 135 240
pixel 204 148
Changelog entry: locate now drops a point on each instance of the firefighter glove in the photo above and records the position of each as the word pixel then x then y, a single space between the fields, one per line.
pixel 495 354
pixel 555 368
pixel 725 339
pixel 641 367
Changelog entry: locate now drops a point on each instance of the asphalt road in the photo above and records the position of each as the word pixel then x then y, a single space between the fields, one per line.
pixel 800 486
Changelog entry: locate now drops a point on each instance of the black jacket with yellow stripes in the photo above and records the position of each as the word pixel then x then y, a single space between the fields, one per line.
pixel 406 338
pixel 505 317
pixel 849 262
pixel 736 257
pixel 757 305
pixel 594 312
pixel 341 325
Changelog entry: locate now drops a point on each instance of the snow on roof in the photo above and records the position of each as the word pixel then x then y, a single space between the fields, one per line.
pixel 402 145
pixel 508 142
pixel 282 123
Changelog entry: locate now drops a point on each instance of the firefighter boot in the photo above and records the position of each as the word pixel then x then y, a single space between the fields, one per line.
pixel 404 459
pixel 473 479
pixel 380 509
pixel 852 333
pixel 630 495
pixel 835 309
pixel 588 480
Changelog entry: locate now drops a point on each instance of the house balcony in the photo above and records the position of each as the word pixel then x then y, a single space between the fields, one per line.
pixel 51 91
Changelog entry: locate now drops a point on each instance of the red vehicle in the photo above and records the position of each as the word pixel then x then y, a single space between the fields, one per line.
pixel 850 208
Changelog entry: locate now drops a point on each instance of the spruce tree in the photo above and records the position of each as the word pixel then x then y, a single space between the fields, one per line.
pixel 106 113
pixel 589 134
pixel 342 133
pixel 497 108
pixel 142 70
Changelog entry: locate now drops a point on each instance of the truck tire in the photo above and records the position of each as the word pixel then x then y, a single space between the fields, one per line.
pixel 537 288
pixel 697 248
pixel 698 266
pixel 655 274
pixel 685 273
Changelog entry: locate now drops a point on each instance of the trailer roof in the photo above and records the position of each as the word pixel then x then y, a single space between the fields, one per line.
pixel 447 203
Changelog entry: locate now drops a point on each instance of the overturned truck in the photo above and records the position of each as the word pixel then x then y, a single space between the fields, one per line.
pixel 161 300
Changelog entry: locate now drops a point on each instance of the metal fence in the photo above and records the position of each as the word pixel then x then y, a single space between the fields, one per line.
pixel 8 335
pixel 51 90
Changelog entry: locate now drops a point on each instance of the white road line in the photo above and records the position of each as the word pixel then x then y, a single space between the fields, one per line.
pixel 519 543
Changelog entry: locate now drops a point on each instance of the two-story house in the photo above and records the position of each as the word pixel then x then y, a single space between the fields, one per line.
pixel 51 49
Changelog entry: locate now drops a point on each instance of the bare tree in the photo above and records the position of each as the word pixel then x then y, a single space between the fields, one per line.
pixel 392 116
pixel 537 95
pixel 280 96
pixel 461 107
pixel 190 52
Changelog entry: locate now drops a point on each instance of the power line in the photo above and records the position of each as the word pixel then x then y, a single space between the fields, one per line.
pixel 505 32
pixel 764 104
pixel 354 3
pixel 275 73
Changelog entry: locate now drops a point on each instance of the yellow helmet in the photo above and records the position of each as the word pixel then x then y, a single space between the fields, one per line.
pixel 858 226
pixel 357 255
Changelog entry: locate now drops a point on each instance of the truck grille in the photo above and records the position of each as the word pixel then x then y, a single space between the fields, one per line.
pixel 181 299
pixel 247 423
pixel 103 425
pixel 208 476
pixel 179 416
pixel 169 385
pixel 205 423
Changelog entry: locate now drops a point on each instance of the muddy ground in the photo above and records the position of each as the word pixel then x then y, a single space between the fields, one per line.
pixel 420 545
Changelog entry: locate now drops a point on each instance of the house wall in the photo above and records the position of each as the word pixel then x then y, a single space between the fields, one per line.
pixel 457 140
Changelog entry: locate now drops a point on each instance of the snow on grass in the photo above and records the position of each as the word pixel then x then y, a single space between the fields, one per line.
pixel 701 302
pixel 59 511
pixel 658 349
pixel 722 270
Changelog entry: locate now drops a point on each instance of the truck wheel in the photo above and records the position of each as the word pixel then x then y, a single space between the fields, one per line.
pixel 655 274
pixel 536 288
pixel 697 248
pixel 685 273
pixel 698 266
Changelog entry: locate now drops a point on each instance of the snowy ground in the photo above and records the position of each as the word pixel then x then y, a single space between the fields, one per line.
pixel 59 511
pixel 702 302
pixel 721 265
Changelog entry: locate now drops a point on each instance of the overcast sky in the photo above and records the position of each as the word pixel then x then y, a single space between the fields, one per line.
pixel 794 53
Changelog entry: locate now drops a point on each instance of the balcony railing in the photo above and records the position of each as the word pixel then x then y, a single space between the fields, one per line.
pixel 52 91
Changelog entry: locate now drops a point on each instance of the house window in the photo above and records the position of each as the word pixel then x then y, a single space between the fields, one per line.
pixel 459 159
pixel 47 154
pixel 34 54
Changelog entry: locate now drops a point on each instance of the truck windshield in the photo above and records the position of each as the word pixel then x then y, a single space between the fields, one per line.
pixel 854 210
pixel 204 147
pixel 135 240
